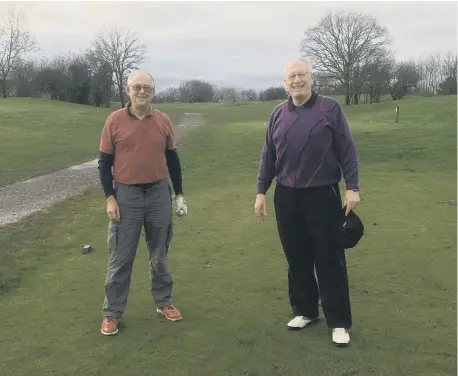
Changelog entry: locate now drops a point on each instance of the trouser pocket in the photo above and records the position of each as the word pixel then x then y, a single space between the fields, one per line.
pixel 112 237
pixel 169 237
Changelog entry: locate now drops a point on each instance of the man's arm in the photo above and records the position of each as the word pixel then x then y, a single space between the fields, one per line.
pixel 106 177
pixel 174 166
pixel 266 172
pixel 173 160
pixel 106 159
pixel 346 150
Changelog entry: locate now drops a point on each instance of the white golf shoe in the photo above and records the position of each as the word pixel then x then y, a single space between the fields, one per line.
pixel 340 337
pixel 300 322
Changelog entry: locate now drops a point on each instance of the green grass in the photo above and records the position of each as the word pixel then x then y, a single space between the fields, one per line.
pixel 230 273
pixel 39 136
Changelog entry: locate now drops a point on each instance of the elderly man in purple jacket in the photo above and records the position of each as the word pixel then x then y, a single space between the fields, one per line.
pixel 308 146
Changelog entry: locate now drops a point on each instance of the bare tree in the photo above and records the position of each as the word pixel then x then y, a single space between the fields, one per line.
pixel 248 95
pixel 273 94
pixel 326 84
pixel 53 78
pixel 196 91
pixel 406 77
pixel 15 42
pixel 343 44
pixel 435 69
pixel 448 85
pixel 24 79
pixel 123 51
pixel 225 94
pixel 169 95
pixel 449 65
pixel 80 79
pixel 102 80
pixel 433 73
pixel 377 81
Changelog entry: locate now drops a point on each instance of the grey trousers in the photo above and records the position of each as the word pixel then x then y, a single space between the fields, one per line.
pixel 139 208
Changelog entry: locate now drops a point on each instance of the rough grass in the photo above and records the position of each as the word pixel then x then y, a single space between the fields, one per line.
pixel 39 136
pixel 230 273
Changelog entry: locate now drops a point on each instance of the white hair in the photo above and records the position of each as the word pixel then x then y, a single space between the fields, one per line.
pixel 133 73
pixel 303 60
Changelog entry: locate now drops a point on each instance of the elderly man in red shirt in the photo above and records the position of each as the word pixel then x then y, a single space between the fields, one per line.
pixel 138 142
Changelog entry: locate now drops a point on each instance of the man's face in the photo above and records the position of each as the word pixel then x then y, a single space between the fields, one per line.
pixel 141 90
pixel 299 80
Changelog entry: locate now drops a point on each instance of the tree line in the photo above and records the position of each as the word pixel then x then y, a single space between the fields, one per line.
pixel 350 53
pixel 352 56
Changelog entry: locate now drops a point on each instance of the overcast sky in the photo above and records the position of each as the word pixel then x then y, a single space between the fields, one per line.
pixel 243 44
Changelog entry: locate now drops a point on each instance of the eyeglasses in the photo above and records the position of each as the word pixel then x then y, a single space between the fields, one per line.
pixel 146 88
pixel 291 77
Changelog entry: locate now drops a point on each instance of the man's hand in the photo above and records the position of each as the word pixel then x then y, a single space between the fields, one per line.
pixel 182 208
pixel 113 209
pixel 351 201
pixel 260 206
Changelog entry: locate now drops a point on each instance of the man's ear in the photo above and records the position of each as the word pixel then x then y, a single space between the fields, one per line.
pixel 313 77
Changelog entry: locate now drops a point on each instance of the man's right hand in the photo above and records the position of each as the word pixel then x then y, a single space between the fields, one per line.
pixel 260 206
pixel 112 209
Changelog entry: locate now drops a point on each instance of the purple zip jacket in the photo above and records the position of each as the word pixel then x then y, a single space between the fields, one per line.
pixel 308 146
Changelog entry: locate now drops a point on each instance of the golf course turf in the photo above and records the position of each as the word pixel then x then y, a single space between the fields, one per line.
pixel 229 270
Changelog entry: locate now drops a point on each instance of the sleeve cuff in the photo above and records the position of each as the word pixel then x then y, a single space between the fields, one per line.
pixel 353 186
pixel 109 193
pixel 261 190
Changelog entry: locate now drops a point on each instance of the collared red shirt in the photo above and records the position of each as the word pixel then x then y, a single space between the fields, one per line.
pixel 138 146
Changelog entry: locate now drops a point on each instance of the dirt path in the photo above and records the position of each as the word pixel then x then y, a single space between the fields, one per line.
pixel 25 197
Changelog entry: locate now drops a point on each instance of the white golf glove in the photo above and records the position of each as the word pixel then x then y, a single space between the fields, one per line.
pixel 182 208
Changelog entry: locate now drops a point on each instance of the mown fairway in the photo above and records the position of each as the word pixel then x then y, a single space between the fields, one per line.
pixel 40 136
pixel 229 270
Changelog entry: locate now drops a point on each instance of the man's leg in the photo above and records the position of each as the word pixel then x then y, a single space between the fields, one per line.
pixel 158 231
pixel 123 237
pixel 325 221
pixel 319 296
pixel 302 286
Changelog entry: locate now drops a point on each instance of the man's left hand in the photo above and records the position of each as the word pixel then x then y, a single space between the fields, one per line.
pixel 351 201
pixel 182 208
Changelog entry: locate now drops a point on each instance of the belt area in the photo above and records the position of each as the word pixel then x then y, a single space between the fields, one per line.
pixel 144 185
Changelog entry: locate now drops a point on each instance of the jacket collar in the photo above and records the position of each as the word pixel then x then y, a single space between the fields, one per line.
pixel 308 104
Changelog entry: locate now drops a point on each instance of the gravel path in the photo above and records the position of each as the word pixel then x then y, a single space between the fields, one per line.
pixel 26 197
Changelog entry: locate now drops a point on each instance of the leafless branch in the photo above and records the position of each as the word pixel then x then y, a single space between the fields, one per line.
pixel 342 45
pixel 15 42
pixel 122 50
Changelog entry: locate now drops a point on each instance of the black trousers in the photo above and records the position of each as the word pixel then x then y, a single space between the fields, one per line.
pixel 309 223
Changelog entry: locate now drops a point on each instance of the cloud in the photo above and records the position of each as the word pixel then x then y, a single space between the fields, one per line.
pixel 238 43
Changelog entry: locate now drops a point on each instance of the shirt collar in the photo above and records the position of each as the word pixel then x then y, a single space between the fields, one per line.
pixel 128 112
pixel 308 104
